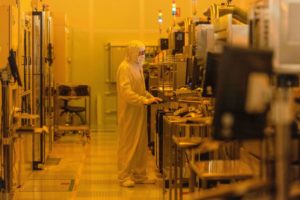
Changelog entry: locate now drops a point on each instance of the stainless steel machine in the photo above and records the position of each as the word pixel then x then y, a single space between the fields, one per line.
pixel 9 46
pixel 42 83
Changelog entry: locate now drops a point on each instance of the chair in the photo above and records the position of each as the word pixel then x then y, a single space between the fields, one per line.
pixel 81 90
pixel 64 90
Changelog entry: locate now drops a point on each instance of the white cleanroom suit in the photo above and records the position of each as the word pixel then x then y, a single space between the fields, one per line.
pixel 132 98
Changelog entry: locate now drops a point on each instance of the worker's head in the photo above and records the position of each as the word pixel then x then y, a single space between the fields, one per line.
pixel 136 52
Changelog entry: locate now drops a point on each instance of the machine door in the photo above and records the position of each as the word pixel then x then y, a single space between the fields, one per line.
pixel 37 86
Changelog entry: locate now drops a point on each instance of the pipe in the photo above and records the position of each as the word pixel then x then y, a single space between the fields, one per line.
pixel 6 137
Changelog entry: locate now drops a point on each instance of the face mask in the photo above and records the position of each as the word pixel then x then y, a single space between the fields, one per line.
pixel 141 60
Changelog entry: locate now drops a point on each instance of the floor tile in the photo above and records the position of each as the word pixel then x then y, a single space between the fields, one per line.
pixel 90 170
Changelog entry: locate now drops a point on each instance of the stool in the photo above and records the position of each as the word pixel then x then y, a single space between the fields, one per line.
pixel 181 143
pixel 221 170
pixel 232 191
pixel 72 110
pixel 190 140
pixel 65 90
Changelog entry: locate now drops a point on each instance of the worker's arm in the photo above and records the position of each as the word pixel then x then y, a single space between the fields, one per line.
pixel 149 95
pixel 152 98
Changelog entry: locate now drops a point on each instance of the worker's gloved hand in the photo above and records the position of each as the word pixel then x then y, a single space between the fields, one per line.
pixel 158 100
pixel 153 100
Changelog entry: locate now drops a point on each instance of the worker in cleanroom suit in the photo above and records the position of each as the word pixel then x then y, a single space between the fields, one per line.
pixel 132 98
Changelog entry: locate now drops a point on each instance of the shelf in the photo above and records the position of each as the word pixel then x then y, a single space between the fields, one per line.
pixel 72 128
pixel 30 129
pixel 25 116
pixel 188 142
pixel 232 190
pixel 222 169
pixel 161 63
pixel 27 92
pixel 71 97
pixel 111 82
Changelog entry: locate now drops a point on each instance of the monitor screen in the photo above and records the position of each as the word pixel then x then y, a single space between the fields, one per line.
pixel 210 74
pixel 178 42
pixel 284 35
pixel 193 72
pixel 240 71
pixel 13 67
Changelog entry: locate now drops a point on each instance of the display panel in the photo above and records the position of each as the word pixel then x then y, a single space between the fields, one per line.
pixel 241 104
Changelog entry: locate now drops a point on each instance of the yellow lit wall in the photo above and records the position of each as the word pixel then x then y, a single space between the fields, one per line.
pixel 94 23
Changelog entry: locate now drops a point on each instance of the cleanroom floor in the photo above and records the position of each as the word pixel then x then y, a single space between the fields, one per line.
pixel 85 172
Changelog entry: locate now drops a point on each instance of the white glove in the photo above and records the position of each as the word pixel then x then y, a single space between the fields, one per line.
pixel 153 100
pixel 158 100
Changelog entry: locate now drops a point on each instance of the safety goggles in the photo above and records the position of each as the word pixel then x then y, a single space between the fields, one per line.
pixel 141 53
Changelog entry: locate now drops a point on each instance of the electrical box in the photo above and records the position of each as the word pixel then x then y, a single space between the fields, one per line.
pixel 205 41
pixel 163 44
pixel 228 32
pixel 284 35
pixel 178 42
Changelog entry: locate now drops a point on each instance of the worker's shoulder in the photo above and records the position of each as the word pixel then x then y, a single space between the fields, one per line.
pixel 123 66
